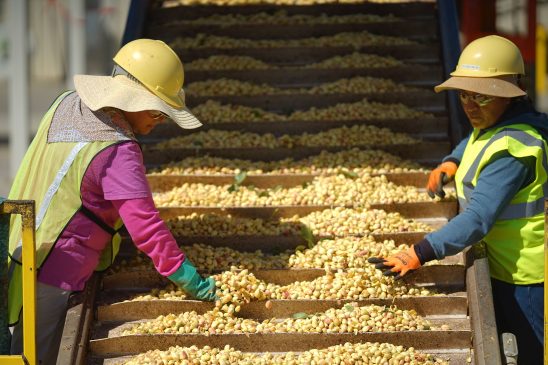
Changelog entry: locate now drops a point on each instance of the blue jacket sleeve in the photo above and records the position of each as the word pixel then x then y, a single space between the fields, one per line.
pixel 458 152
pixel 498 183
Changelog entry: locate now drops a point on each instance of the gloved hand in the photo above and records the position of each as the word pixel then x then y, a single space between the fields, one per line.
pixel 192 283
pixel 398 264
pixel 440 176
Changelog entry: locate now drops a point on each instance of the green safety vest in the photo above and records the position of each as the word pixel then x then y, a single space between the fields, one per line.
pixel 51 174
pixel 515 243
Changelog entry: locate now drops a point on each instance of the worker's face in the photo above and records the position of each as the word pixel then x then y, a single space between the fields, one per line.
pixel 483 111
pixel 143 122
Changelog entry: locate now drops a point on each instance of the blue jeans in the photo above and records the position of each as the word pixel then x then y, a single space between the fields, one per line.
pixel 519 309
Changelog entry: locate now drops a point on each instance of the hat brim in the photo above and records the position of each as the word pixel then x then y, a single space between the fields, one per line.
pixel 504 86
pixel 122 93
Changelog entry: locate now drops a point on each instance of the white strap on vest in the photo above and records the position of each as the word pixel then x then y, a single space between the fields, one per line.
pixel 54 187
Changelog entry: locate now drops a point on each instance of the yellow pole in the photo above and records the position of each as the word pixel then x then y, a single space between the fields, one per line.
pixel 540 58
pixel 29 285
pixel 26 209
pixel 545 275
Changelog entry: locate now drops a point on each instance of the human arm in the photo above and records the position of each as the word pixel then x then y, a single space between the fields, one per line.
pixel 122 179
pixel 458 152
pixel 445 172
pixel 151 236
pixel 497 185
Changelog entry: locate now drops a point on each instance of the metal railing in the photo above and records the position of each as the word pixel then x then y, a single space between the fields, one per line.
pixel 545 272
pixel 26 209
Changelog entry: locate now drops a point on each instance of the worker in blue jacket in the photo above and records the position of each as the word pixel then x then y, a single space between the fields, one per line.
pixel 500 172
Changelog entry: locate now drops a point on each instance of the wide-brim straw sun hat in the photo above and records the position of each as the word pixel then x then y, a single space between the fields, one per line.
pixel 129 95
pixel 501 86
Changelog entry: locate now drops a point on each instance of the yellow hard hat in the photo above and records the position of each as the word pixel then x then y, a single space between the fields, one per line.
pixel 155 65
pixel 490 56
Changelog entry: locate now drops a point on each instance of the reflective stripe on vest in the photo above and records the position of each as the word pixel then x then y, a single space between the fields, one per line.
pixel 512 211
pixel 52 190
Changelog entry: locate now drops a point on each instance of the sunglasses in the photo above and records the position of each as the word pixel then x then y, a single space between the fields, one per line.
pixel 479 99
pixel 157 115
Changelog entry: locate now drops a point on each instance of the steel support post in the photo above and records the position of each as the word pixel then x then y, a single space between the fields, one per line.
pixel 4 332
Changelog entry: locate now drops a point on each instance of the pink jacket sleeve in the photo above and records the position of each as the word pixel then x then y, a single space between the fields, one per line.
pixel 150 234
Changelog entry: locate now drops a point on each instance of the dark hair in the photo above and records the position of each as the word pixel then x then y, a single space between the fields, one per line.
pixel 522 86
pixel 521 82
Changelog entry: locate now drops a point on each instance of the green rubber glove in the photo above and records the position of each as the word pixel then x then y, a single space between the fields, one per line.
pixel 191 282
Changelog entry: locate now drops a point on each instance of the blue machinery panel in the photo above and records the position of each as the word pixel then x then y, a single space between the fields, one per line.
pixel 450 47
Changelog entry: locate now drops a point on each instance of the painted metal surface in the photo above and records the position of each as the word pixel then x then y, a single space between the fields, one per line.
pixel 482 312
pixel 136 19
pixel 454 305
pixel 27 211
pixel 459 126
pixel 545 276
pixel 271 342
pixel 4 245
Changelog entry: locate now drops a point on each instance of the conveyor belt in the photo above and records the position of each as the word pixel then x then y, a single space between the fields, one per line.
pixel 93 331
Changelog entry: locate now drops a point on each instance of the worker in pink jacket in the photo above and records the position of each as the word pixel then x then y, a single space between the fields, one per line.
pixel 85 171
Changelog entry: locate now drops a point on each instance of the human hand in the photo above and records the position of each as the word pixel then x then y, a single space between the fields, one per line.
pixel 188 279
pixel 440 176
pixel 398 264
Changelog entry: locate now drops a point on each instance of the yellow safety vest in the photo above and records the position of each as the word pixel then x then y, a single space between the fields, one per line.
pixel 51 174
pixel 515 243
